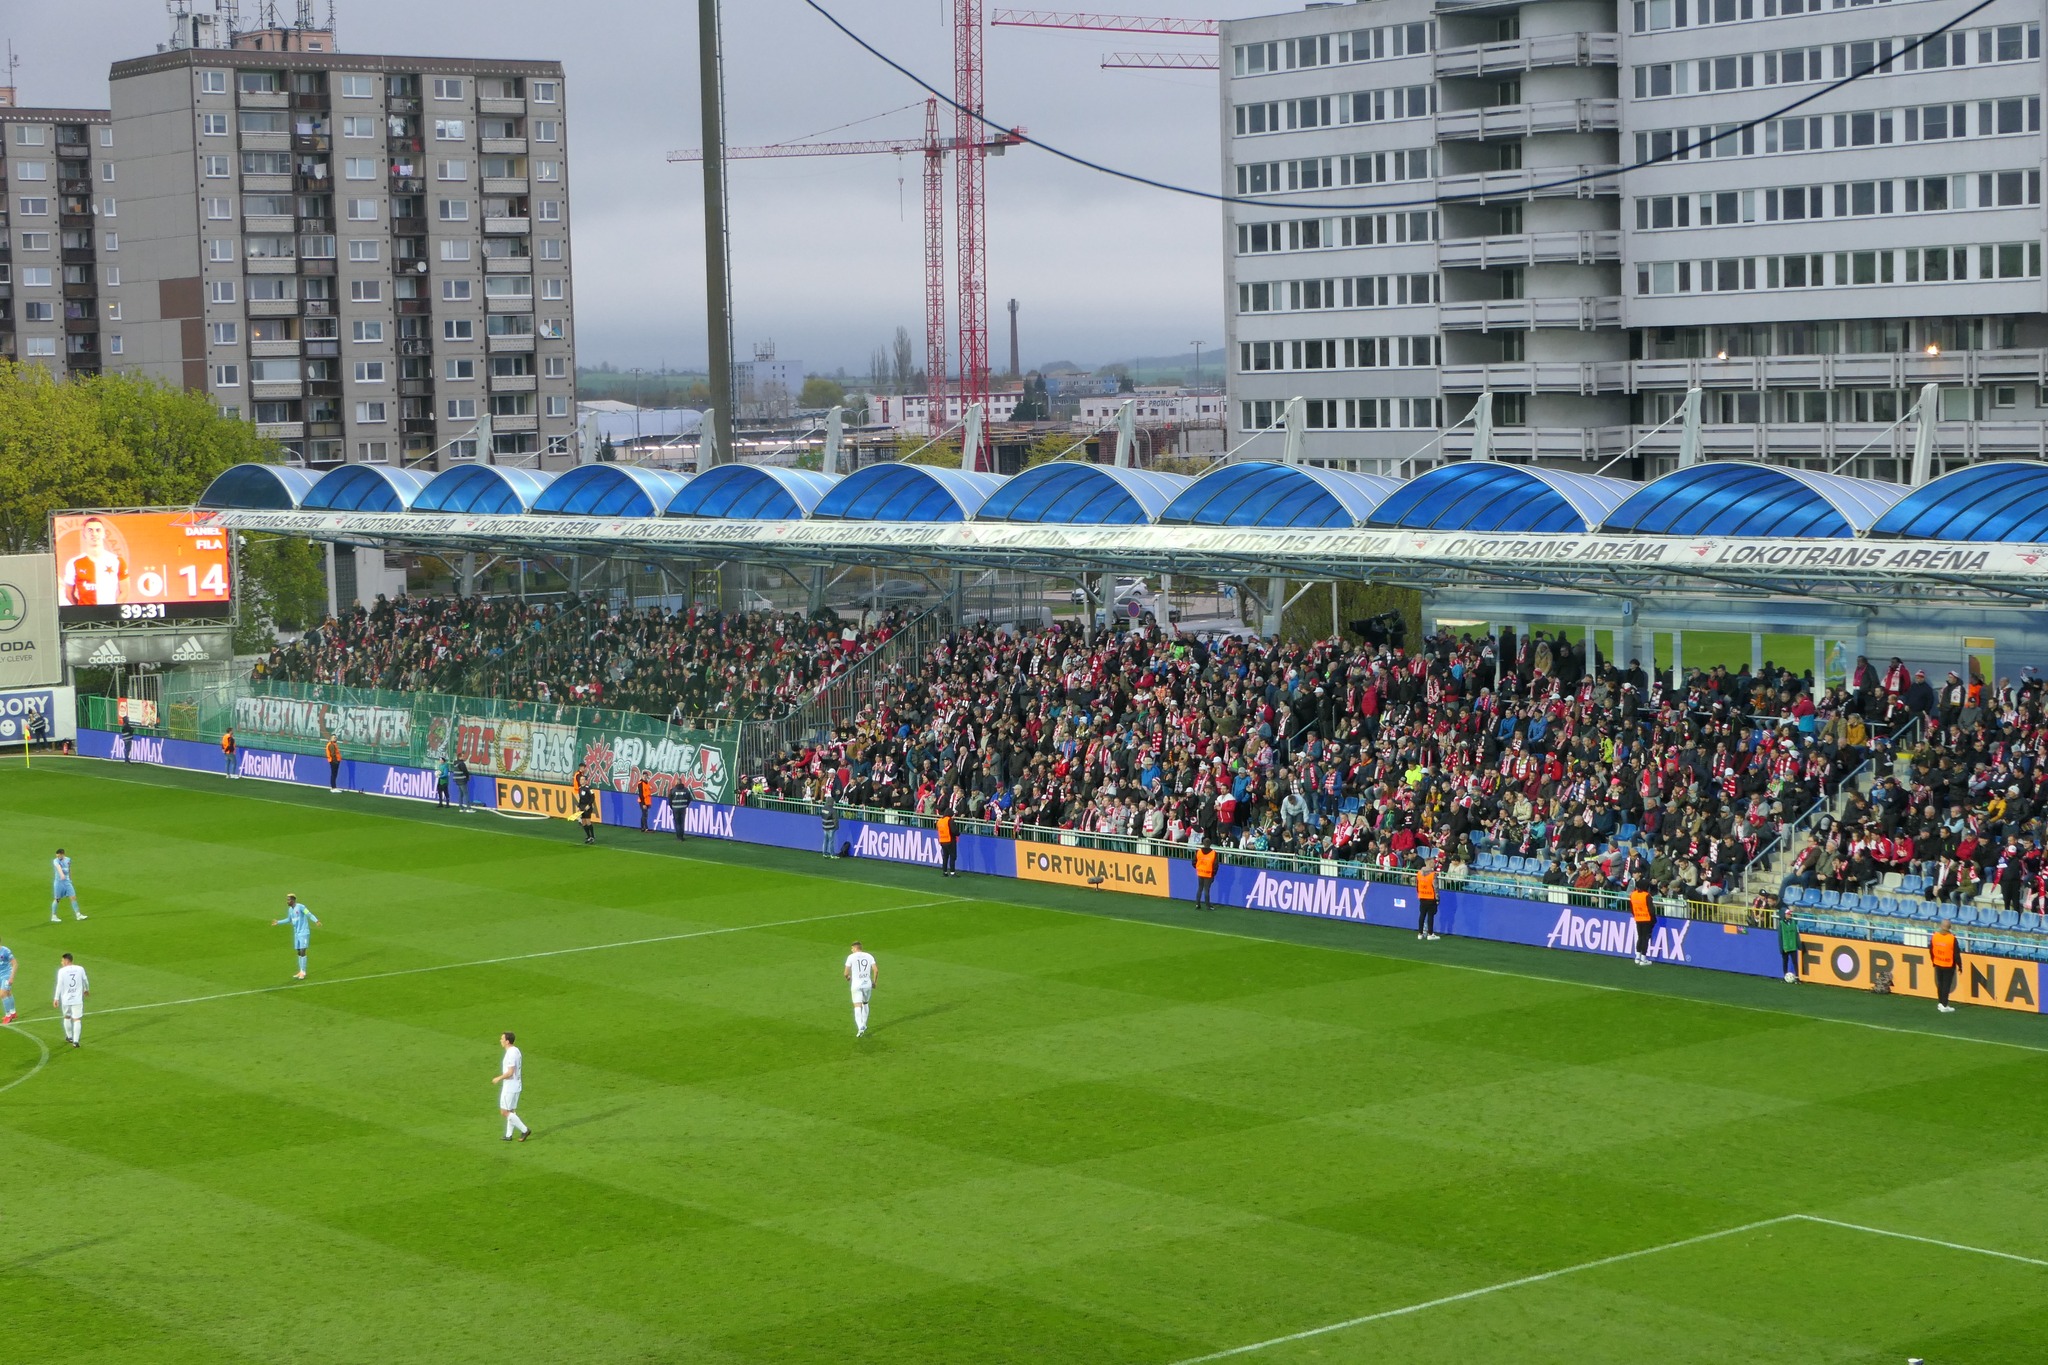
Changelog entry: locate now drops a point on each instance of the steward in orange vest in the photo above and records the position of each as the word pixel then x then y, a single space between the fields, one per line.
pixel 949 848
pixel 1947 959
pixel 1426 902
pixel 1645 917
pixel 1206 859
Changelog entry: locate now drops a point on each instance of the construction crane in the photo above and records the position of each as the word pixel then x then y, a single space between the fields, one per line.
pixel 1106 23
pixel 1159 61
pixel 934 149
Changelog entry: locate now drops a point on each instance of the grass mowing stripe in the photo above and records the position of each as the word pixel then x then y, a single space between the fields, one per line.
pixel 1927 1241
pixel 1481 1293
pixel 1111 913
pixel 42 1057
pixel 496 961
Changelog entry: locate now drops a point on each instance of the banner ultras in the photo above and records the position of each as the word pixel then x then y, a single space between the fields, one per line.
pixel 2003 982
pixel 506 748
pixel 311 722
pixel 29 652
pixel 620 761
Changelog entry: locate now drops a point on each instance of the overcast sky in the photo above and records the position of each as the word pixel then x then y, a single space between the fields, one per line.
pixel 828 252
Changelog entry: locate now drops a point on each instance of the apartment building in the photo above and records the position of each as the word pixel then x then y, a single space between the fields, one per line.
pixel 1451 200
pixel 367 256
pixel 60 277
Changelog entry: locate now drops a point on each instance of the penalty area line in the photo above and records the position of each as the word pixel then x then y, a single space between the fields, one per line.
pixel 1480 1293
pixel 42 1058
pixel 500 961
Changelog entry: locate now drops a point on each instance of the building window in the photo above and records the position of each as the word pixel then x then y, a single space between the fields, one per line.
pixel 554 329
pixel 220 249
pixel 221 291
pixel 462 409
pixel 369 372
pixel 35 208
pixel 113 310
pixel 454 210
pixel 544 92
pixel 362 210
pixel 546 130
pixel 110 241
pixel 359 126
pixel 213 125
pixel 509 286
pixel 454 249
pixel 220 210
pixel 35 241
pixel 226 333
pixel 215 167
pixel 451 170
pixel 462 450
pixel 551 248
pixel 374 452
pixel 358 87
pixel 547 170
pixel 558 405
pixel 359 168
pixel 114 344
pixel 213 82
pixel 446 88
pixel 370 412
pixel 450 130
pixel 550 211
pixel 552 289
pixel 109 207
pixel 227 376
pixel 38 312
pixel 107 171
pixel 359 250
pixel 366 291
pixel 31 170
pixel 365 329
pixel 458 329
pixel 556 366
pixel 459 370
pixel 35 277
pixel 456 291
pixel 39 346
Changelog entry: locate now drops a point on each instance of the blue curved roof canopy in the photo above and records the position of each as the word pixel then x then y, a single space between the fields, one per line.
pixel 750 492
pixel 1263 493
pixel 2004 500
pixel 482 488
pixel 1736 498
pixel 365 488
pixel 1482 495
pixel 610 490
pixel 1074 493
pixel 909 493
pixel 258 488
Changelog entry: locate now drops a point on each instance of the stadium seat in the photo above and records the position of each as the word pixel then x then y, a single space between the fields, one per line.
pixel 1893 881
pixel 1628 833
pixel 2009 920
pixel 1830 900
pixel 1912 886
pixel 1794 895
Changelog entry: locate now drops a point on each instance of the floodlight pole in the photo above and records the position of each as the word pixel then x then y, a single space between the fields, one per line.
pixel 717 234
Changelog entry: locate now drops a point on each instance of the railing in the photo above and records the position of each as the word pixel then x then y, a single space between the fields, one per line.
pixel 1883 929
pixel 841 698
pixel 1830 801
pixel 1489 883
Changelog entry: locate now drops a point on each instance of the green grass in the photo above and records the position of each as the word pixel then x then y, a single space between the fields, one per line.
pixel 1080 1132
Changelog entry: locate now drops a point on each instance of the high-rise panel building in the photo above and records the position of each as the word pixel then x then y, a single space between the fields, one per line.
pixel 61 303
pixel 367 256
pixel 1452 199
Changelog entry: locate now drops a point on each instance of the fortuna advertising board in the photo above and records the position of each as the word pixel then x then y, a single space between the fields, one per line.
pixel 2002 982
pixel 1099 868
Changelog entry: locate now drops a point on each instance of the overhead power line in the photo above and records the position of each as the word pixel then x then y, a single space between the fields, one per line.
pixel 1565 182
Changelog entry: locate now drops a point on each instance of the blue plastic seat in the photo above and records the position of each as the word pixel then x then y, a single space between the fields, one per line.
pixel 1795 895
pixel 1830 900
pixel 1913 886
pixel 1628 832
pixel 2009 920
pixel 1518 865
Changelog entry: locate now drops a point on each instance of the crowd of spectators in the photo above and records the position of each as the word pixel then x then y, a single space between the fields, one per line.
pixel 1607 775
pixel 687 664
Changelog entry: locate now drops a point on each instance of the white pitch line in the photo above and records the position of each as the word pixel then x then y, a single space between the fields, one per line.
pixel 516 957
pixel 1470 1294
pixel 1595 1265
pixel 42 1058
pixel 1928 1241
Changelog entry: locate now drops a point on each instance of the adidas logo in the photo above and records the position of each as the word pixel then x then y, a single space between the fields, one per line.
pixel 108 653
pixel 190 652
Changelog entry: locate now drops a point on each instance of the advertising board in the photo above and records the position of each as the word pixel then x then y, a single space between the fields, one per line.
pixel 29 652
pixel 1132 873
pixel 2001 982
pixel 54 707
pixel 116 568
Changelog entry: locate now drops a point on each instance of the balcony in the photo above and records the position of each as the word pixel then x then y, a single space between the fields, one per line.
pixel 408 227
pixel 276 308
pixel 415 388
pixel 272 350
pixel 403 104
pixel 503 146
pixel 1897 370
pixel 408 184
pixel 310 101
pixel 264 99
pixel 281 431
pixel 267 184
pixel 318 265
pixel 413 308
pixel 513 108
pixel 508 265
pixel 1527 54
pixel 1515 315
pixel 1544 443
pixel 517 422
pixel 1526 120
pixel 317 308
pixel 1534 182
pixel 81 291
pixel 1831 443
pixel 269 224
pixel 272 392
pixel 511 345
pixel 79 327
pixel 520 303
pixel 502 185
pixel 419 425
pixel 74 187
pixel 413 346
pixel 272 265
pixel 322 349
pixel 514 383
pixel 507 227
pixel 312 142
pixel 1530 248
pixel 1540 376
pixel 266 142
pixel 77 255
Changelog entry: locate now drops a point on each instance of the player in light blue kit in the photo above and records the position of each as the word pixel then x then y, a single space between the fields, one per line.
pixel 61 888
pixel 6 984
pixel 302 921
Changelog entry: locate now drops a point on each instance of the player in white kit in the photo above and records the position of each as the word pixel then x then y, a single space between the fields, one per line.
pixel 508 1082
pixel 69 999
pixel 862 974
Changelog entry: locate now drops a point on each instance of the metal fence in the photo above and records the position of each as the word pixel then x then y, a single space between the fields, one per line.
pixel 1490 883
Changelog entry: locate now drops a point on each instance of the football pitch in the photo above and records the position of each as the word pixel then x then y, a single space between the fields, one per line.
pixel 1083 1128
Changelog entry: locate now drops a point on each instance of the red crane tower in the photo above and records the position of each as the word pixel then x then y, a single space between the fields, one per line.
pixel 971 208
pixel 934 149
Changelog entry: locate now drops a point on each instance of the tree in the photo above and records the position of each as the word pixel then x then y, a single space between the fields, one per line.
pixel 1036 404
pixel 1055 445
pixel 878 370
pixel 904 357
pixel 283 587
pixel 110 441
pixel 820 392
